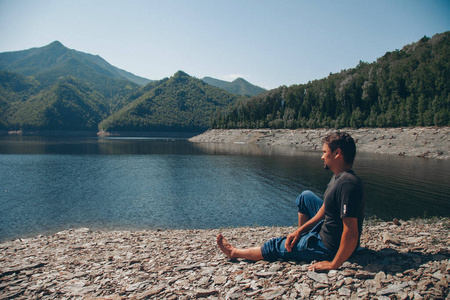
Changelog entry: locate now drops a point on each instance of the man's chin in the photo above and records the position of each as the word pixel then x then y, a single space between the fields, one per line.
pixel 326 167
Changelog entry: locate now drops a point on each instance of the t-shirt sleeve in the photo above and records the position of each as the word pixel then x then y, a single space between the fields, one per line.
pixel 351 196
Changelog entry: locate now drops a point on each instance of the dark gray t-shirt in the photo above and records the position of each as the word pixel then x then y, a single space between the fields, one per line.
pixel 344 197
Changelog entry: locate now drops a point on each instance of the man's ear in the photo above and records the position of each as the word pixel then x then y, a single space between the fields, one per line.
pixel 338 153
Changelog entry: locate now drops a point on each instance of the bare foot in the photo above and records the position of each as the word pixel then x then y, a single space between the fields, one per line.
pixel 226 247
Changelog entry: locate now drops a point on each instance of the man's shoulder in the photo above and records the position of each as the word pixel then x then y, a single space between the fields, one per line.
pixel 349 183
pixel 349 177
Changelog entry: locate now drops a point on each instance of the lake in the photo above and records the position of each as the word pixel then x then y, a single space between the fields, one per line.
pixel 51 184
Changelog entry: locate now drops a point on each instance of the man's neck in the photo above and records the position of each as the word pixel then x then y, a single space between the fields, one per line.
pixel 341 169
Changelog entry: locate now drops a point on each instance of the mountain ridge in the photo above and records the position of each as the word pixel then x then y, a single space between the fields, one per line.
pixel 239 86
pixel 32 62
pixel 178 103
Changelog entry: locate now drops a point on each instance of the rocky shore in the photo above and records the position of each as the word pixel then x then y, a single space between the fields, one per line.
pixel 400 260
pixel 416 141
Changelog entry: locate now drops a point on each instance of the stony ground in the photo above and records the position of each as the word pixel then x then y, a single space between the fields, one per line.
pixel 417 141
pixel 401 260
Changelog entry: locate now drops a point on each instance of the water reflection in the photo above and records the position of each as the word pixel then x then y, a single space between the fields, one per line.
pixel 251 149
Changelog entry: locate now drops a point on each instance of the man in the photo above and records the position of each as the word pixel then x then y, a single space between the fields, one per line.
pixel 328 230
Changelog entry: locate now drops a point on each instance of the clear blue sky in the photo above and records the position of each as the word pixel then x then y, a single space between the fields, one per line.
pixel 269 43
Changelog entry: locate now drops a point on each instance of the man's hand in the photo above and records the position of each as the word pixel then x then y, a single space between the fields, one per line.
pixel 349 241
pixel 291 240
pixel 322 266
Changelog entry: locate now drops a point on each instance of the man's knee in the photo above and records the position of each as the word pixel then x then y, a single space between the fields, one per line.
pixel 308 203
pixel 302 199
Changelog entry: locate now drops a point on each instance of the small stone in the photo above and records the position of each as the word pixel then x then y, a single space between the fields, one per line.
pixel 265 274
pixel 392 289
pixel 343 291
pixel 188 267
pixel 318 286
pixel 274 294
pixel 387 239
pixel 319 277
pixel 438 275
pixel 305 292
pixel 234 296
pixel 133 287
pixel 424 283
pixel 204 280
pixel 220 279
pixel 348 273
pixel 332 273
pixel 339 283
pixel 205 293
pixel 364 275
pixel 346 265
pixel 380 277
pixel 275 268
pixel 151 292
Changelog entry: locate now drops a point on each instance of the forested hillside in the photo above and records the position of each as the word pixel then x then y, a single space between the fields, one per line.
pixel 407 87
pixel 239 86
pixel 68 105
pixel 180 103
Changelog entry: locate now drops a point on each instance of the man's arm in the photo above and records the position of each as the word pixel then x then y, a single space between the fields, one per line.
pixel 349 241
pixel 293 238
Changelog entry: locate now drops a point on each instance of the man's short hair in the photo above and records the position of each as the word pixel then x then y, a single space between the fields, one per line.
pixel 343 141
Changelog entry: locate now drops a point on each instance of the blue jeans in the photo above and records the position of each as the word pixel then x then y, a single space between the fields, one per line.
pixel 309 246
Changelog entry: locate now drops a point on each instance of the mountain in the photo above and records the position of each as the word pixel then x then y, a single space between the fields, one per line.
pixel 55 56
pixel 238 87
pixel 407 87
pixel 179 103
pixel 49 88
pixel 47 64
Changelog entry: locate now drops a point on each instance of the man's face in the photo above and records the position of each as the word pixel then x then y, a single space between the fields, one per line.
pixel 327 157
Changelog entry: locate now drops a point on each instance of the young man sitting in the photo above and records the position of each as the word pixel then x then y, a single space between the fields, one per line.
pixel 328 230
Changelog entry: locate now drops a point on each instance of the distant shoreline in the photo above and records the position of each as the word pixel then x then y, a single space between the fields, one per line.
pixel 426 142
pixel 429 142
pixel 62 133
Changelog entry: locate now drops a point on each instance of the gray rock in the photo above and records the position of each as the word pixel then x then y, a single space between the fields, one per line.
pixel 345 292
pixel 392 289
pixel 319 277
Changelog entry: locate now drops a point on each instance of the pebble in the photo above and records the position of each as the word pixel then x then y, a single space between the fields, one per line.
pixel 412 261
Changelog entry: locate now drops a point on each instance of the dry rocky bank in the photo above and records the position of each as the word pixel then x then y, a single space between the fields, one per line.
pixel 400 260
pixel 413 141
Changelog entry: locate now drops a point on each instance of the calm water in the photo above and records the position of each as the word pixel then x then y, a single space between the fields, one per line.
pixel 48 185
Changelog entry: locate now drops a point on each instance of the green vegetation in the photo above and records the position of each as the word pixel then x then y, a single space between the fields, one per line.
pixel 238 87
pixel 408 87
pixel 181 103
pixel 67 105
